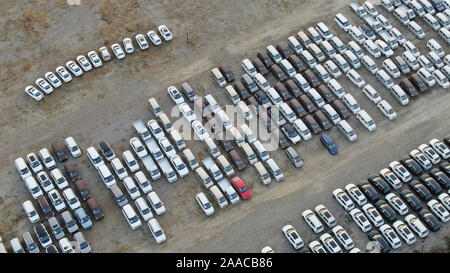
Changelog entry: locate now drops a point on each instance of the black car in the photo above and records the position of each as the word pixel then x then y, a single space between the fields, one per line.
pixel 375 236
pixel 430 220
pixel 367 32
pixel 379 184
pixel 289 131
pixel 386 210
pixel 226 144
pixel 440 177
pixel 368 191
pixel 106 150
pixel 411 165
pixel 445 167
pixel 421 190
pixel 412 200
pixel 51 249
pixel 431 184
pixel 42 234
pixel 261 97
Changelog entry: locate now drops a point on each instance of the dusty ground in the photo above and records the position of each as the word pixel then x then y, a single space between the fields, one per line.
pixel 40 35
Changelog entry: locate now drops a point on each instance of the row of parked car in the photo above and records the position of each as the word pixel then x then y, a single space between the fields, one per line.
pixel 52 81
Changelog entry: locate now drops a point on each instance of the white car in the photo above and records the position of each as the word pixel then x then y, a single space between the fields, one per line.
pixel 204 204
pixel 72 146
pixel 332 68
pixel 63 74
pixel 387 109
pixel 130 161
pixel 397 203
pixel 440 148
pixel 138 147
pixel 44 86
pixel 400 171
pixel 373 214
pixel 416 225
pixel 316 247
pixel 267 249
pixel 175 95
pixel 94 58
pixel 199 130
pixel 439 210
pixel 355 78
pixel 404 232
pixel 343 237
pixel 165 32
pixel 56 200
pixel 143 209
pixel 47 158
pixel 441 79
pixel 154 38
pixel 128 45
pixel 343 199
pixel 118 51
pixel 179 165
pixel 74 68
pixel 356 194
pixel 104 53
pixel 84 63
pixel 312 220
pixel 384 48
pixel 292 236
pixel 421 159
pixel 390 236
pixel 59 179
pixel 325 215
pixel 132 218
pixel 330 244
pixel 141 41
pixel 156 130
pixel 429 153
pixel 34 162
pixel 445 200
pixel 34 93
pixel 131 188
pixel 30 211
pixel 371 94
pixel 425 63
pixel 143 182
pixel 167 148
pixel 391 178
pixel 156 230
pixel 52 79
pixel 118 168
pixel 71 199
pixel 44 181
pixel 187 112
pixel 156 203
pixel 361 220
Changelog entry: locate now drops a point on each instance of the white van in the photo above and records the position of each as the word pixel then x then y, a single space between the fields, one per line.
pixel 400 95
pixel 315 97
pixel 426 76
pixel 204 177
pixel 336 88
pixel 316 52
pixel 248 67
pixel 315 36
pixel 244 110
pixel 356 34
pixel 261 170
pixel 401 16
pixel 232 94
pixel 338 44
pixel 229 191
pixel 237 136
pixel 444 33
pixel 143 182
pixel 33 187
pixel 154 106
pixel 106 176
pixel 328 49
pixel 372 48
pixel 332 69
pixel 261 151
pixel 262 82
pixel 366 120
pixel 391 68
pixel 167 125
pixel 287 112
pixel 435 47
pixel 22 168
pixel 295 44
pixel 410 60
pixel 287 68
pixel 352 59
pixel 443 20
pixel 369 64
pixel 190 159
pixel 274 169
pixel 308 58
pixel 342 22
pixel 211 103
pixel 211 147
pixel 355 78
pixel 249 136
pixel 151 167
pixel 274 54
pixel 304 38
pixel 224 119
pixel 218 77
pixel 351 103
pixel 387 5
pixel 179 142
pixel 218 195
pixel 322 73
pixel 371 93
pixel 416 30
pixel 431 21
pixel 347 130
pixel 30 211
pixel 384 78
pixel 341 63
pixel 302 129
pixel 331 114
pixel 248 151
pixel 324 31
pixel 225 165
pixel 274 97
pixel 356 49
pixel 300 81
pixel 427 6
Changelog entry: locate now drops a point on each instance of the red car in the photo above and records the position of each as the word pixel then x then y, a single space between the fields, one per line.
pixel 240 186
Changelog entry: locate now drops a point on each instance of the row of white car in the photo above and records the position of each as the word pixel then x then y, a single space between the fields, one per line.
pixel 52 81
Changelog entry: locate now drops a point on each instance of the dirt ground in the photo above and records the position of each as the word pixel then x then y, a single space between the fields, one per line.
pixel 40 35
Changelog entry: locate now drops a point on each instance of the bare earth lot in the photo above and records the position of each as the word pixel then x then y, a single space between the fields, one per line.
pixel 40 35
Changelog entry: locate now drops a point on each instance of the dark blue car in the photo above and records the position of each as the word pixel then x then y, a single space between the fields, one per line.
pixel 329 144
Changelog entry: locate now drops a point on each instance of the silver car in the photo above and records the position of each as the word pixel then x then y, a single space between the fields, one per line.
pixel 294 157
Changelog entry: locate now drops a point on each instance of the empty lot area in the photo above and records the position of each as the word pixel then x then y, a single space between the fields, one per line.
pixel 101 105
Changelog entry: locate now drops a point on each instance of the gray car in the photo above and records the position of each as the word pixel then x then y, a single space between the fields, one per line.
pixel 294 157
pixel 30 244
pixel 56 228
pixel 83 244
pixel 83 218
pixel 69 222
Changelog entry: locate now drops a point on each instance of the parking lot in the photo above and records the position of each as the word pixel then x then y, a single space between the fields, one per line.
pixel 103 104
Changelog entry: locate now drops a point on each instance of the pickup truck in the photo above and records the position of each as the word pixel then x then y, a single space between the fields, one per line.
pixel 229 191
pixel 212 168
pixel 374 24
pixel 358 9
pixel 151 168
pixel 142 130
pixel 166 168
pixel 154 149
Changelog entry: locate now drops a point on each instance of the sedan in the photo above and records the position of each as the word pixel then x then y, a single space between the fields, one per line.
pixel 241 187
pixel 440 148
pixel 376 237
pixel 440 177
pixel 445 200
pixel 204 204
pixel 330 244
pixel 325 215
pixel 34 93
pixel 397 203
pixel 368 191
pixel 420 189
pixel 74 68
pixel 412 200
pixel 431 184
pixel 379 184
pixel 154 38
pixel 445 167
pixel 63 74
pixel 386 210
pixel 420 158
pixel 179 165
pixel 95 60
pixel 429 153
pixel 400 171
pixel 44 86
pixel 141 41
pixel 118 51
pixel 390 236
pixel 439 210
pixel 343 237
pixel 312 221
pixel 52 79
pixel 165 32
pixel 360 220
pixel 138 148
pixel 292 236
pixel 187 112
pixel 404 232
pixel 356 194
pixel 84 63
pixel 343 199
pixel 175 95
pixel 391 178
pixel 411 165
pixel 430 220
pixel 316 247
pixel 373 215
pixel 128 45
